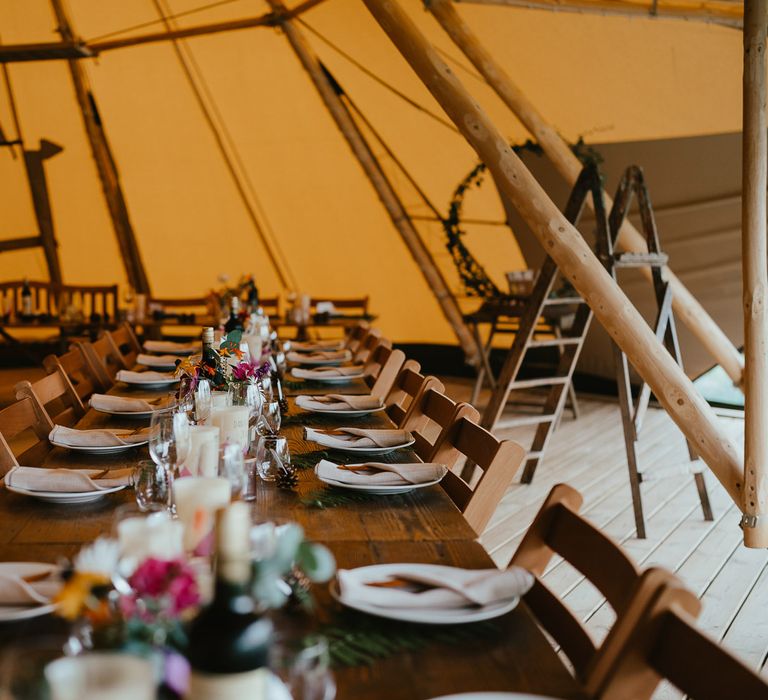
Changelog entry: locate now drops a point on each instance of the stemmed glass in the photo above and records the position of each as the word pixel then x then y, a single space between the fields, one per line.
pixel 248 394
pixel 169 442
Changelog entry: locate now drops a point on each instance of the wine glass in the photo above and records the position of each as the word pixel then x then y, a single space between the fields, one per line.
pixel 232 467
pixel 248 394
pixel 169 442
pixel 304 667
pixel 270 420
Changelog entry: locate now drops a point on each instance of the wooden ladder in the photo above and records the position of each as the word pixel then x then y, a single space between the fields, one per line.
pixel 632 414
pixel 570 343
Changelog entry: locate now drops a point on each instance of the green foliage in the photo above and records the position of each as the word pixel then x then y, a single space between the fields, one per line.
pixel 361 640
pixel 330 497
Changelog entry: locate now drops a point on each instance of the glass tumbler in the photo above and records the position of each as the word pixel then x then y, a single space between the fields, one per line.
pixel 151 485
pixel 271 456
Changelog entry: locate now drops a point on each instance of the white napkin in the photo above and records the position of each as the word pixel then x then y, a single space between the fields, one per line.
pixel 14 590
pixel 319 356
pixel 130 377
pixel 453 587
pixel 72 437
pixel 168 346
pixel 317 345
pixel 106 402
pixel 338 402
pixel 321 372
pixel 157 360
pixel 65 480
pixel 382 474
pixel 358 437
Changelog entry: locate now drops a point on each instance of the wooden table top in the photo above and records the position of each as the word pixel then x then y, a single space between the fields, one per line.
pixel 423 526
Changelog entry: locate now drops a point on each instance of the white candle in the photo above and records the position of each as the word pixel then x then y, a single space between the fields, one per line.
pixel 101 676
pixel 221 399
pixel 153 535
pixel 203 457
pixel 197 499
pixel 233 424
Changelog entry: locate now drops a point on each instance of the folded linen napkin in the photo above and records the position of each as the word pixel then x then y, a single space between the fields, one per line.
pixel 382 474
pixel 320 356
pixel 72 437
pixel 130 377
pixel 358 437
pixel 157 360
pixel 65 480
pixel 123 404
pixel 338 402
pixel 322 372
pixel 14 590
pixel 447 587
pixel 168 346
pixel 317 345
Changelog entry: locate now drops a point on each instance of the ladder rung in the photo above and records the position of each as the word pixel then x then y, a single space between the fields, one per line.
pixel 534 454
pixel 553 342
pixel 692 467
pixel 539 381
pixel 517 421
pixel 640 260
pixel 564 301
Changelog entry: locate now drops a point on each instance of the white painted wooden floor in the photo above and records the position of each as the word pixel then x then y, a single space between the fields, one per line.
pixel 588 454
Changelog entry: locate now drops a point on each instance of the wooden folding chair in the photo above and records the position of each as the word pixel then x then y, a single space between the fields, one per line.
pixel 428 418
pixel 105 355
pixel 377 356
pixel 56 395
pixel 367 344
pixel 495 464
pixel 355 335
pixel 84 376
pixel 410 385
pixel 559 529
pixel 389 363
pixel 125 343
pixel 663 643
pixel 26 423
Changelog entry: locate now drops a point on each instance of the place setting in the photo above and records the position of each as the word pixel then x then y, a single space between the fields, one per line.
pixel 147 380
pixel 340 404
pixel 99 441
pixel 127 407
pixel 309 346
pixel 319 357
pixel 66 486
pixel 160 363
pixel 380 478
pixel 367 441
pixel 330 375
pixel 27 589
pixel 430 593
pixel 165 347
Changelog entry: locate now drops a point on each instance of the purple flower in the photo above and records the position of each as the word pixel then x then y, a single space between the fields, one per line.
pixel 250 369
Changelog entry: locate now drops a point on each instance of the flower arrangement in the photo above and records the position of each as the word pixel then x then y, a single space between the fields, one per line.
pixel 250 370
pixel 192 369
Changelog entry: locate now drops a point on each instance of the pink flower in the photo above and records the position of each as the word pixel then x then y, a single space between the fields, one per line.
pixel 168 587
pixel 250 369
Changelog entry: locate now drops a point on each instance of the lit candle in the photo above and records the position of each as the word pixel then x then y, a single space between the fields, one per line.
pixel 233 424
pixel 203 457
pixel 197 499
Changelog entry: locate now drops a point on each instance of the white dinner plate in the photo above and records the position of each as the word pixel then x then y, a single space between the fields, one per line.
pixel 427 616
pixel 321 363
pixel 129 414
pixel 184 352
pixel 11 613
pixel 158 366
pixel 370 450
pixel 66 497
pixel 331 379
pixel 378 489
pixel 493 696
pixel 163 384
pixel 107 450
pixel 343 412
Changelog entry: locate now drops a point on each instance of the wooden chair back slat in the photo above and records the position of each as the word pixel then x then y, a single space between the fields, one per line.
pixel 355 335
pixel 388 372
pixel 126 343
pixel 378 355
pixel 429 417
pixel 82 375
pixel 367 345
pixel 106 355
pixel 409 386
pixel 56 395
pixel 24 415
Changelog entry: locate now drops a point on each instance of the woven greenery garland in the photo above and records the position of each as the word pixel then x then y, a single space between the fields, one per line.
pixel 474 279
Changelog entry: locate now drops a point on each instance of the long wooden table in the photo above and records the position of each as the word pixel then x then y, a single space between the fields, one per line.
pixel 423 526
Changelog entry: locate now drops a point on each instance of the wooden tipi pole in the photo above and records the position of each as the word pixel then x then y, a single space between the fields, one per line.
pixel 687 308
pixel 568 249
pixel 754 253
pixel 378 179
pixel 105 164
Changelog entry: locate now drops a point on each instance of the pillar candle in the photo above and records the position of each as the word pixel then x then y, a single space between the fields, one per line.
pixel 203 457
pixel 233 424
pixel 197 499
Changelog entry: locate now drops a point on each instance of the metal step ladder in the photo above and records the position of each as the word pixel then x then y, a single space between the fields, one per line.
pixel 632 414
pixel 541 303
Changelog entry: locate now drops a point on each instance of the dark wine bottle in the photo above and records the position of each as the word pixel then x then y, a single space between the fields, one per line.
pixel 229 641
pixel 211 360
pixel 26 301
pixel 234 323
pixel 252 305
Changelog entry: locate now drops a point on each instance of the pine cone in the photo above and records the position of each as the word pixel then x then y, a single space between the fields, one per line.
pixel 287 478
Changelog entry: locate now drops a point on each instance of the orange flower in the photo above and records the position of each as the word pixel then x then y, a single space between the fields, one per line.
pixel 74 595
